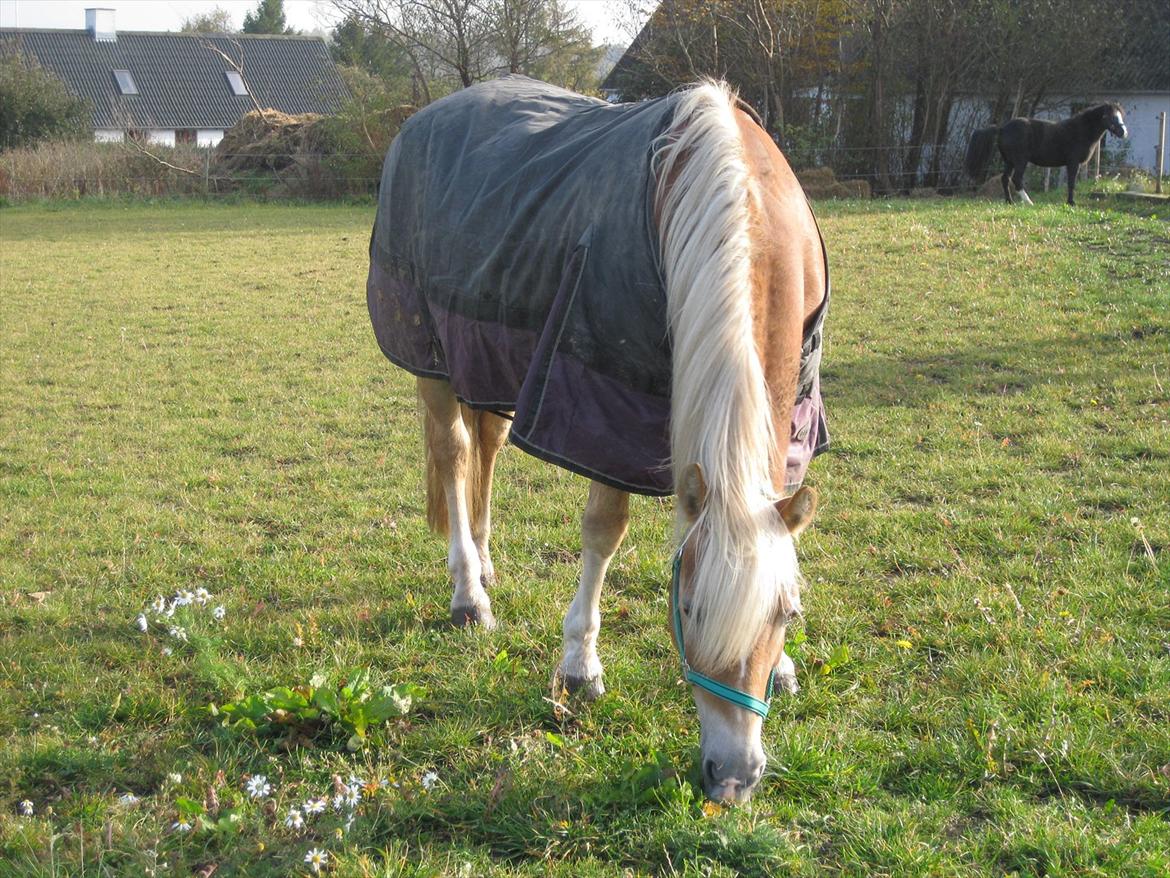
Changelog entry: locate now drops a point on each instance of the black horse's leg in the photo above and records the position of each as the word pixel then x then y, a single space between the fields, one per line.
pixel 1007 172
pixel 1071 173
pixel 1018 179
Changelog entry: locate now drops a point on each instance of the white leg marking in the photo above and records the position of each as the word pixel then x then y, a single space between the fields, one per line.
pixel 583 622
pixel 786 675
pixel 602 529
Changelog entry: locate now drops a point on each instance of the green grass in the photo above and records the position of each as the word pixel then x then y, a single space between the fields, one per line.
pixel 190 395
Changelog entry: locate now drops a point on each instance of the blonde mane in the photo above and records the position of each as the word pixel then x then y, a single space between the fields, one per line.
pixel 720 412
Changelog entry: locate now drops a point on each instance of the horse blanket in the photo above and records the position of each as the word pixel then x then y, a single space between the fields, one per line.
pixel 514 254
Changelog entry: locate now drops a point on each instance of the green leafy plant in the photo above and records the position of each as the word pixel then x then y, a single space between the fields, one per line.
pixel 353 706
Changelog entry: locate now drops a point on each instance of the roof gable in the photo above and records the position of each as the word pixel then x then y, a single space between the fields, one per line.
pixel 181 82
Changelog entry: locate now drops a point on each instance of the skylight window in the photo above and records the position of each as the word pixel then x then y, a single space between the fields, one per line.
pixel 236 82
pixel 126 84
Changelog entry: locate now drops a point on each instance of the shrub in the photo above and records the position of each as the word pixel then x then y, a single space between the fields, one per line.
pixel 78 169
pixel 363 127
pixel 35 105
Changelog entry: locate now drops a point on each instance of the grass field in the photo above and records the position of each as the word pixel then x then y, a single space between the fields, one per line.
pixel 191 397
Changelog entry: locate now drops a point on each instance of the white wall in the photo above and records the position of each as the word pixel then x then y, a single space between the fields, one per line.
pixel 108 135
pixel 161 136
pixel 208 137
pixel 1141 118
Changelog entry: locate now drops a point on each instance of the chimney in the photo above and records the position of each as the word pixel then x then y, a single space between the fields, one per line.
pixel 100 24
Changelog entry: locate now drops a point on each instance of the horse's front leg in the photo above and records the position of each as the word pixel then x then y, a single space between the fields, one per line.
pixel 1018 180
pixel 602 528
pixel 1071 173
pixel 786 675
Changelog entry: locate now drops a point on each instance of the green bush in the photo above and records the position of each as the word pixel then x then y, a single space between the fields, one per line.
pixel 35 105
pixel 364 126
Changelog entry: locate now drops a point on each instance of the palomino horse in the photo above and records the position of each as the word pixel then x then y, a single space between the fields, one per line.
pixel 1067 144
pixel 643 285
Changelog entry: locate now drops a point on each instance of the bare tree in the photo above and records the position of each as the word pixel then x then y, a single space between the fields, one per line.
pixel 527 34
pixel 452 35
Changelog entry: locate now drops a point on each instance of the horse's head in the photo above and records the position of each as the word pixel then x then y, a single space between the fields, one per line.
pixel 1113 120
pixel 730 632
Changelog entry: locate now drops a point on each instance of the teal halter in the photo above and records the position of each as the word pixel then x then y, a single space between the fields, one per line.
pixel 721 690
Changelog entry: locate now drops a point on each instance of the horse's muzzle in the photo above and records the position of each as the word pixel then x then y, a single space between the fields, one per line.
pixel 1119 131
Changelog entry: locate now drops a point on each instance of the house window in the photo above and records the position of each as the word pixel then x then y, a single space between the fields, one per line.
pixel 236 82
pixel 126 84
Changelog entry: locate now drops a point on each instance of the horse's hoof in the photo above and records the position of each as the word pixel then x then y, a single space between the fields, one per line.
pixel 462 617
pixel 788 683
pixel 585 688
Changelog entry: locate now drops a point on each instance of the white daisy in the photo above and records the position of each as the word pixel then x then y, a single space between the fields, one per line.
pixel 181 825
pixel 166 650
pixel 159 606
pixel 143 625
pixel 174 778
pixel 127 800
pixel 218 613
pixel 183 598
pixel 26 808
pixel 294 820
pixel 258 786
pixel 352 797
pixel 315 806
pixel 316 859
pixel 178 632
pixel 429 780
pixel 202 596
pixel 338 802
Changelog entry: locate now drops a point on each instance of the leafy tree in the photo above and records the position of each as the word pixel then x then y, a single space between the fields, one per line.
pixel 267 18
pixel 354 44
pixel 35 105
pixel 218 21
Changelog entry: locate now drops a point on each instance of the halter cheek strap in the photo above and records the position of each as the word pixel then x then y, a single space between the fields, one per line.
pixel 721 690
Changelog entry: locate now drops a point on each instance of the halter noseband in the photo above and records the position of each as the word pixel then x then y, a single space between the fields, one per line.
pixel 721 690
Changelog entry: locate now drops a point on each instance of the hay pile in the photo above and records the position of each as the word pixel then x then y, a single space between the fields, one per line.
pixel 270 140
pixel 819 183
pixel 992 190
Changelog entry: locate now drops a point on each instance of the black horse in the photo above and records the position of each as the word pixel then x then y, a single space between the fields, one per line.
pixel 1064 144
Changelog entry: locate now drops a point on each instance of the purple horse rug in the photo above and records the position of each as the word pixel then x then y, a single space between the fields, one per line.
pixel 514 254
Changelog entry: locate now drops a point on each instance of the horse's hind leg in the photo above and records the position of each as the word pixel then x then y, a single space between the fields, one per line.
pixel 1071 173
pixel 1007 172
pixel 452 467
pixel 602 528
pixel 491 435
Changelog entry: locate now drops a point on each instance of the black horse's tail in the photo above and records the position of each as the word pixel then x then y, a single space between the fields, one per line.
pixel 979 152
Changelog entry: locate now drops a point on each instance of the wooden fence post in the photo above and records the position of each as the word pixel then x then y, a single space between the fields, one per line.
pixel 1161 149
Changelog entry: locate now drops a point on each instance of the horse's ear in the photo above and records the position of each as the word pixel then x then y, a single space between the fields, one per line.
pixel 798 510
pixel 693 491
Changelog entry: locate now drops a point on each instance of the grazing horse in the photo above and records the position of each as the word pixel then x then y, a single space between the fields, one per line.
pixel 1066 144
pixel 635 293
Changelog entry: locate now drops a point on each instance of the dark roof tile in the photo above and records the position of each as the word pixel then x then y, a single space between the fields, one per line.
pixel 181 82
